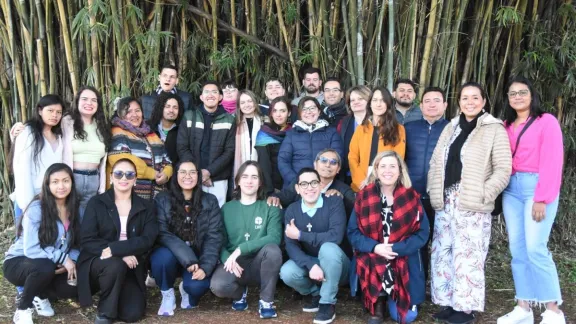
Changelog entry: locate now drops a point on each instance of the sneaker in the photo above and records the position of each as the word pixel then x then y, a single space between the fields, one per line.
pixel 168 303
pixel 185 304
pixel 311 304
pixel 23 316
pixel 101 319
pixel 461 318
pixel 443 314
pixel 266 310
pixel 150 282
pixel 551 317
pixel 326 314
pixel 241 304
pixel 43 307
pixel 517 316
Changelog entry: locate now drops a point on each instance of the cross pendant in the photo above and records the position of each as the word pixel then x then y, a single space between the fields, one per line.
pixel 309 227
pixel 247 236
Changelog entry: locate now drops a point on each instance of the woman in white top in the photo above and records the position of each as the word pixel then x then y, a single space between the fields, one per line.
pixel 249 119
pixel 38 146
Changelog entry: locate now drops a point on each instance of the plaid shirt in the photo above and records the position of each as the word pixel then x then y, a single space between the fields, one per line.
pixel 371 266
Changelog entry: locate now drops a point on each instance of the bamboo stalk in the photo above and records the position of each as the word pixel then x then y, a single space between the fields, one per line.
pixel 349 52
pixel 428 46
pixel 379 42
pixel 67 46
pixel 41 68
pixel 391 44
pixel 360 45
pixel 285 34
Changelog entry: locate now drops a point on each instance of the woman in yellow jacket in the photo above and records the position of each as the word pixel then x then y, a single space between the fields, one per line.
pixel 390 136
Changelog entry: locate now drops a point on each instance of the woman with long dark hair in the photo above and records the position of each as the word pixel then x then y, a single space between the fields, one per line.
pixel 380 131
pixel 190 239
pixel 530 202
pixel 42 260
pixel 165 119
pixel 133 139
pixel 118 230
pixel 268 142
pixel 37 147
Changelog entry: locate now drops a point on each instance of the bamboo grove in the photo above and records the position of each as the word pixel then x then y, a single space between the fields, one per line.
pixel 55 46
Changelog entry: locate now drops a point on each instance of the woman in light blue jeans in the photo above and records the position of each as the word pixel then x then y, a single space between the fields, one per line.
pixel 530 203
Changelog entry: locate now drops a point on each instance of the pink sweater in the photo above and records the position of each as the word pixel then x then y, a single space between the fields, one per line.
pixel 541 151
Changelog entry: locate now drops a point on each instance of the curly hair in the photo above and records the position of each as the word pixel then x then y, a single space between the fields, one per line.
pixel 158 111
pixel 101 122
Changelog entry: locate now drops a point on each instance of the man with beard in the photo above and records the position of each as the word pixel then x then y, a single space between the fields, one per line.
pixel 168 80
pixel 404 95
pixel 207 135
pixel 166 116
pixel 334 107
pixel 312 82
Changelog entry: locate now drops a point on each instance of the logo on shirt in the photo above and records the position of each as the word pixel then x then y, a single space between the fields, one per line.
pixel 258 222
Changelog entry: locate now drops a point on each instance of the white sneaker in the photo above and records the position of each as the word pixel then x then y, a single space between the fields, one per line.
pixel 168 303
pixel 551 317
pixel 185 304
pixel 43 307
pixel 517 316
pixel 23 316
pixel 150 282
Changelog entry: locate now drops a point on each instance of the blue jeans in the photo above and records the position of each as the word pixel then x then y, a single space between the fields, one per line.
pixel 334 264
pixel 393 309
pixel 534 271
pixel 165 269
pixel 86 187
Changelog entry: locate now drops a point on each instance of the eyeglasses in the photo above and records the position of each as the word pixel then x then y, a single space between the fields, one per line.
pixel 313 184
pixel 309 109
pixel 229 90
pixel 190 173
pixel 521 93
pixel 211 92
pixel 130 175
pixel 325 160
pixel 328 90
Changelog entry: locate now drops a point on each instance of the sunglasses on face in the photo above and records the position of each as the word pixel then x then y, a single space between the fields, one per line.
pixel 325 160
pixel 130 175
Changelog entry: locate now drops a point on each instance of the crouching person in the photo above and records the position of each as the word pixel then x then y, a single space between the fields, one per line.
pixel 315 226
pixel 42 259
pixel 190 239
pixel 251 254
pixel 387 229
pixel 118 230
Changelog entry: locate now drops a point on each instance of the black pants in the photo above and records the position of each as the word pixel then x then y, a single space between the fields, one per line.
pixel 121 297
pixel 261 270
pixel 425 250
pixel 38 279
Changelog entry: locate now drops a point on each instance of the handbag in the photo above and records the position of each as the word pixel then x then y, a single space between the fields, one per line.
pixel 498 202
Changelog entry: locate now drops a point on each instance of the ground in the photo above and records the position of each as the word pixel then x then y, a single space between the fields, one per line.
pixel 499 292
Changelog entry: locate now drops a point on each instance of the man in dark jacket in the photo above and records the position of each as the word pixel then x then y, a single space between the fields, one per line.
pixel 166 116
pixel 168 80
pixel 333 107
pixel 421 138
pixel 207 135
pixel 404 95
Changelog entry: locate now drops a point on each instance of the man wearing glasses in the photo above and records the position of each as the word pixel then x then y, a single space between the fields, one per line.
pixel 334 107
pixel 168 79
pixel 315 226
pixel 207 135
pixel 312 82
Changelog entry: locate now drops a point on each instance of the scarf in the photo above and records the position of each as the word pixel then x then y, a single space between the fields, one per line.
pixel 453 167
pixel 229 106
pixel 159 90
pixel 371 267
pixel 141 131
pixel 271 134
pixel 335 112
pixel 319 124
pixel 245 143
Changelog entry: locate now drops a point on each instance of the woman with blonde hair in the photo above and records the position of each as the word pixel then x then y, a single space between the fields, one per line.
pixel 387 229
pixel 249 120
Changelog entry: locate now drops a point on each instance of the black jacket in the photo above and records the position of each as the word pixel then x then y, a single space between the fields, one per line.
pixel 268 160
pixel 101 229
pixel 148 101
pixel 208 230
pixel 170 143
pixel 335 113
pixel 222 142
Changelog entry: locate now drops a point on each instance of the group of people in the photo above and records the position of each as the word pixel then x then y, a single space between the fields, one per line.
pixel 359 187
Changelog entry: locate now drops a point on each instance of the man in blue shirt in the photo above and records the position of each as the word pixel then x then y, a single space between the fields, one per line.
pixel 404 95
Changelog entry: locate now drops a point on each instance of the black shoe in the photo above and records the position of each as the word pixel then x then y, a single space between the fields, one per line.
pixel 311 304
pixel 326 314
pixel 443 314
pixel 378 316
pixel 101 319
pixel 461 318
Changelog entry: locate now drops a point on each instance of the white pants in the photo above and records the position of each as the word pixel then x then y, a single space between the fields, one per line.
pixel 218 189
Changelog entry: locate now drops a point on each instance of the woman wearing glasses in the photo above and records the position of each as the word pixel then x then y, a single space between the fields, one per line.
pixel 530 203
pixel 118 230
pixel 249 120
pixel 133 139
pixel 308 136
pixel 189 240
pixel 380 131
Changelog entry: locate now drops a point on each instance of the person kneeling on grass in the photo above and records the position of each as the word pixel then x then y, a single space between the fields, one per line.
pixel 42 259
pixel 251 255
pixel 315 226
pixel 189 239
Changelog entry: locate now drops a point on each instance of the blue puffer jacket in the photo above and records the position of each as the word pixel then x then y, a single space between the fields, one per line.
pixel 421 139
pixel 300 147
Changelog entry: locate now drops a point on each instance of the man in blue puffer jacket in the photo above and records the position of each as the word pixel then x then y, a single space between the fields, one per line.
pixel 421 138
